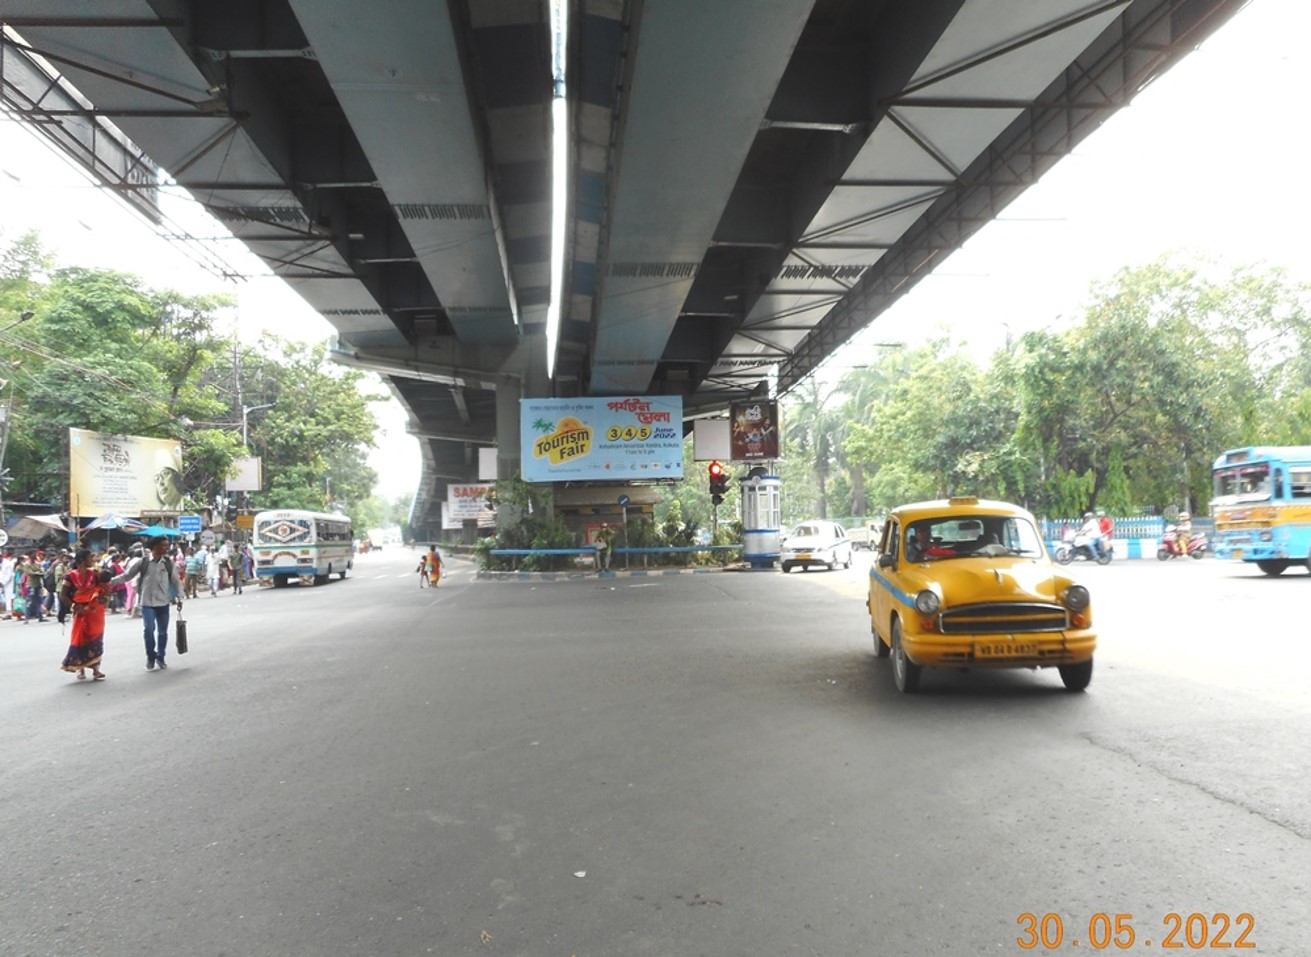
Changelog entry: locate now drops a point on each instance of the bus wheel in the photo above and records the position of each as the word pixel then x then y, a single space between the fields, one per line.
pixel 343 575
pixel 1272 568
pixel 320 579
pixel 279 581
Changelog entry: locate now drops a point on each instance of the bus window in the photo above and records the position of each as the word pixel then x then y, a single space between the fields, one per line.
pixel 1300 481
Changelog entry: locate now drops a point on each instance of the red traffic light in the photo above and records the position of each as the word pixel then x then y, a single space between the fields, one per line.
pixel 716 470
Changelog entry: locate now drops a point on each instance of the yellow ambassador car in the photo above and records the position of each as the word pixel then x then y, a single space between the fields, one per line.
pixel 967 583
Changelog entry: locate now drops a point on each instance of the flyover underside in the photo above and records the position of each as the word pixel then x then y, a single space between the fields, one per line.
pixel 752 182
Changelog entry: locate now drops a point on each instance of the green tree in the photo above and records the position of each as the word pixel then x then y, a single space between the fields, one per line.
pixel 316 436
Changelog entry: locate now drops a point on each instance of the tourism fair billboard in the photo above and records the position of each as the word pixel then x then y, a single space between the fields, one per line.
pixel 129 475
pixel 622 438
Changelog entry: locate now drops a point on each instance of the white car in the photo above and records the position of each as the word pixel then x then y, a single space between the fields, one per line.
pixel 816 542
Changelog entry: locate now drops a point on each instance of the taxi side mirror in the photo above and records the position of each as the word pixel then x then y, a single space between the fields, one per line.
pixel 887 561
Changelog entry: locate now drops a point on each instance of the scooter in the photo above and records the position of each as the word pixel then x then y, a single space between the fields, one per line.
pixel 1197 545
pixel 1080 548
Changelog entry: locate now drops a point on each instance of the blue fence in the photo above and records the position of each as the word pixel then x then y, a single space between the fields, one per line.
pixel 1137 526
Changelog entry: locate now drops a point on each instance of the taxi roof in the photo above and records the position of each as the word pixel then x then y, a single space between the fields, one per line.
pixel 960 505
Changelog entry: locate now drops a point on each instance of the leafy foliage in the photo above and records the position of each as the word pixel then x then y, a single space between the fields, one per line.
pixel 104 353
pixel 1171 364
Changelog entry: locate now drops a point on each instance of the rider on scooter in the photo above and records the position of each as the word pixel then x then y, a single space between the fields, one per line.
pixel 1183 531
pixel 1093 531
pixel 1105 525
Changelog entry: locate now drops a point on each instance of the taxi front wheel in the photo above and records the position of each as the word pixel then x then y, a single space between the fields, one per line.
pixel 905 673
pixel 1076 677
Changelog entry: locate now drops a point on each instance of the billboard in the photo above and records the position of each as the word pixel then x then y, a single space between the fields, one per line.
pixel 124 474
pixel 597 439
pixel 469 502
pixel 247 475
pixel 755 430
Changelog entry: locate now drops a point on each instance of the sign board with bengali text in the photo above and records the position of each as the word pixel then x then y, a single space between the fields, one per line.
pixel 123 474
pixel 621 438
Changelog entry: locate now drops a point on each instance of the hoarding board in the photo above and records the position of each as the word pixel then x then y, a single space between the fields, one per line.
pixel 755 430
pixel 601 439
pixel 246 476
pixel 124 474
pixel 468 501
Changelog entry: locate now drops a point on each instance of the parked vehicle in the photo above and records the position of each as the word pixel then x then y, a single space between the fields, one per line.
pixel 864 536
pixel 1198 545
pixel 816 542
pixel 1079 548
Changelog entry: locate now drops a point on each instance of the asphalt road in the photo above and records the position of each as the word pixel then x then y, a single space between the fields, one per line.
pixel 681 765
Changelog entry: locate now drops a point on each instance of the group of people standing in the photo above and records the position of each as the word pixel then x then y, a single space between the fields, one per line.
pixel 219 567
pixel 143 581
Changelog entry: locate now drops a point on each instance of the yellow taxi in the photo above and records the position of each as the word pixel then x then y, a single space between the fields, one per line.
pixel 967 583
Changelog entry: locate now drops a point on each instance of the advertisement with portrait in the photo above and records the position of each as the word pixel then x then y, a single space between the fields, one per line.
pixel 600 439
pixel 125 474
pixel 755 430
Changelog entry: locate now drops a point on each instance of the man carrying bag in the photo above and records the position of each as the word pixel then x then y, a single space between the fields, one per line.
pixel 157 584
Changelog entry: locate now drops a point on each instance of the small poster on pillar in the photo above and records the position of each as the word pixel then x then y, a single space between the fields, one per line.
pixel 754 433
pixel 601 439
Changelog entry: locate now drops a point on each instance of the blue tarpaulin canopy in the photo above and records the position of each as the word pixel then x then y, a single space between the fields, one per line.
pixel 153 531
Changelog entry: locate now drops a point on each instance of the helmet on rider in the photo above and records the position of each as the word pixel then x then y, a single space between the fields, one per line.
pixel 1087 514
pixel 1184 516
pixel 1101 512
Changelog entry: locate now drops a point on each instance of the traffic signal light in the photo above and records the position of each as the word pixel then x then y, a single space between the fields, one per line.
pixel 718 483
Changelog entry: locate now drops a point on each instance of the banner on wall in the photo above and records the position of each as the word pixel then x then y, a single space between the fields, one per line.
pixel 754 430
pixel 600 439
pixel 125 474
pixel 466 502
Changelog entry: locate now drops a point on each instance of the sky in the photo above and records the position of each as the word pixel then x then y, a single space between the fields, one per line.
pixel 1207 162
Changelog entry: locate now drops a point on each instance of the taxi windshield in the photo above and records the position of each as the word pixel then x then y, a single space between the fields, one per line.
pixel 971 536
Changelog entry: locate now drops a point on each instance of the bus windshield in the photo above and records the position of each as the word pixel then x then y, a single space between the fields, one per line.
pixel 1246 483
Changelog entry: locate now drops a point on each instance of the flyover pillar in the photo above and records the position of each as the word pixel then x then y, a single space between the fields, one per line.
pixel 508 394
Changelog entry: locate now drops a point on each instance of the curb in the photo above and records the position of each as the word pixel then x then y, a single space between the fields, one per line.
pixel 494 576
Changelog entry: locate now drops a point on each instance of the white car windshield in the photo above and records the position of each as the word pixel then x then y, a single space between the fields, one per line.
pixel 807 531
pixel 973 536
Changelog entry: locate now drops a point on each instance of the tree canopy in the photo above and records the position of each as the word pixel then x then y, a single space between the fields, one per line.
pixel 102 352
pixel 1170 364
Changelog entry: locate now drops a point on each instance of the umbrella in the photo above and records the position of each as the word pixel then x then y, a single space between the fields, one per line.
pixel 110 520
pixel 154 531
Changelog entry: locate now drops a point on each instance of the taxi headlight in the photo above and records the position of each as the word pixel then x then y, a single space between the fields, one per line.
pixel 927 602
pixel 1076 598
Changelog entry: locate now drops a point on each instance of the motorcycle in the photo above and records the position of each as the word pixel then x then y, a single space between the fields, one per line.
pixel 1079 547
pixel 1197 545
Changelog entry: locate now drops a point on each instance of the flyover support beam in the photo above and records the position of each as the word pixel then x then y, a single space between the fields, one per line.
pixel 508 394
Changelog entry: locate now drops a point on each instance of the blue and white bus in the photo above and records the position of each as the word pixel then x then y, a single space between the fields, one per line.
pixel 307 546
pixel 1261 502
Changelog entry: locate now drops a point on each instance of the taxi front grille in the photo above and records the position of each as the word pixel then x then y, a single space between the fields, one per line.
pixel 1007 618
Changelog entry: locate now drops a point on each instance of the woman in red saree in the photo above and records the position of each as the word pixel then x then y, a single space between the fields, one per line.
pixel 86 592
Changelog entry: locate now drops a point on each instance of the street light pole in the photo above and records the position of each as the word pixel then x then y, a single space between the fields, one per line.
pixel 246 410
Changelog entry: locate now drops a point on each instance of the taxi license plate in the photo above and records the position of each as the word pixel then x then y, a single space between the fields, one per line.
pixel 1005 649
pixel 1238 554
pixel 803 556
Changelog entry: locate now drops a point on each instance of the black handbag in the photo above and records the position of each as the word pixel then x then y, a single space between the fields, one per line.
pixel 181 639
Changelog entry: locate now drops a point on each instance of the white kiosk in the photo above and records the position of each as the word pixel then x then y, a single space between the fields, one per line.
pixel 762 518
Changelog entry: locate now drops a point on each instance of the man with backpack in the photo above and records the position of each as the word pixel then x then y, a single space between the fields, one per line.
pixel 156 576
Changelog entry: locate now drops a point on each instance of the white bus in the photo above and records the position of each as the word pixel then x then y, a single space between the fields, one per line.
pixel 294 544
